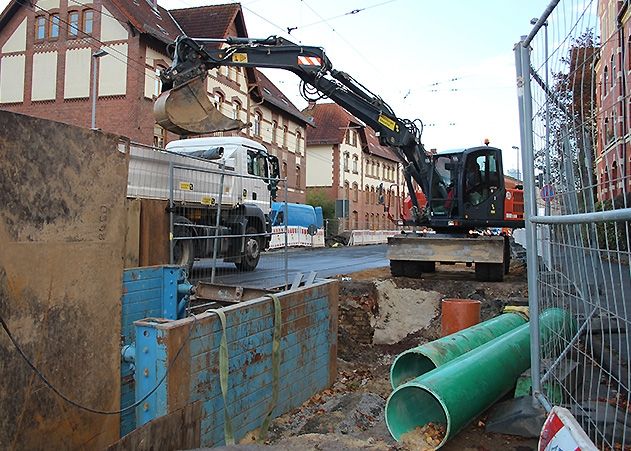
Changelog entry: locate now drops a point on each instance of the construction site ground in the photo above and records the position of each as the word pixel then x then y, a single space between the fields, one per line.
pixel 380 317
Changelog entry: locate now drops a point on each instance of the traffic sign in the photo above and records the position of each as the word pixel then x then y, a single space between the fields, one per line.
pixel 547 192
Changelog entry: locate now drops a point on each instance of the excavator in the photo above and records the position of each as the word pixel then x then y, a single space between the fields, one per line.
pixel 452 194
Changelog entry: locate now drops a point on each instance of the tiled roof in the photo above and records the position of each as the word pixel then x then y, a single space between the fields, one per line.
pixel 155 22
pixel 274 96
pixel 210 21
pixel 375 148
pixel 330 121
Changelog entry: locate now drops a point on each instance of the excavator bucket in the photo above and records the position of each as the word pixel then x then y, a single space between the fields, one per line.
pixel 187 110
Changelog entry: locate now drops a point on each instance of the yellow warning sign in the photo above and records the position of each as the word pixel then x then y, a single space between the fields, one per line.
pixel 207 200
pixel 186 186
pixel 240 58
pixel 386 121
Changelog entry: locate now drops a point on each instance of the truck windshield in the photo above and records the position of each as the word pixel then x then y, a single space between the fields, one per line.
pixel 257 164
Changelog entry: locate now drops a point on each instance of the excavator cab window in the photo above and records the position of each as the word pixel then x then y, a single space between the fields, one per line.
pixel 446 167
pixel 481 177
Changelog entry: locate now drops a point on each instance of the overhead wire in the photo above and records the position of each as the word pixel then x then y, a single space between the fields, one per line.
pixel 348 13
pixel 78 404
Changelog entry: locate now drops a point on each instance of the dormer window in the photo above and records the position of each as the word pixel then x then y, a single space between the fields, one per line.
pixel 40 27
pixel 73 24
pixel 54 26
pixel 88 21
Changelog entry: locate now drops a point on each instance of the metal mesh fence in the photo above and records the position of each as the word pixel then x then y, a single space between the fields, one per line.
pixel 572 74
pixel 214 212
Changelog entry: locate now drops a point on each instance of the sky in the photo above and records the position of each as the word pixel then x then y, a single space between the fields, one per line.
pixel 449 63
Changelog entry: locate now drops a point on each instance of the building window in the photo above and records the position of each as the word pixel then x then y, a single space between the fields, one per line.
pixel 73 22
pixel 298 178
pixel 236 107
pixel 54 26
pixel 347 137
pixel 159 136
pixel 88 21
pixel 355 192
pixel 157 83
pixel 613 70
pixel 346 157
pixel 354 139
pixel 298 138
pixel 257 124
pixel 355 161
pixel 284 170
pixel 366 194
pixel 373 171
pixel 40 27
pixel 605 81
pixel 274 131
pixel 285 136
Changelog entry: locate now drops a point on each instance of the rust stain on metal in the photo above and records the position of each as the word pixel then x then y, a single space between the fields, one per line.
pixel 62 225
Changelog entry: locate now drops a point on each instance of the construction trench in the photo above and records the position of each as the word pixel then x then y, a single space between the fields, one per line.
pixel 85 302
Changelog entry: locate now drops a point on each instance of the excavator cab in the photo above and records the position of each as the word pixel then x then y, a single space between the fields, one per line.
pixel 474 185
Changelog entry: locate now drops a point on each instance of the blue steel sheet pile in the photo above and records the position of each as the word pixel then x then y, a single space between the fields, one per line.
pixel 308 343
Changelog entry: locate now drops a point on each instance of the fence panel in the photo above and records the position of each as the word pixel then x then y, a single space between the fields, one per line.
pixel 218 215
pixel 572 78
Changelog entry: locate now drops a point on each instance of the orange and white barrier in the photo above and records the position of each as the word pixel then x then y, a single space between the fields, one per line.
pixel 364 237
pixel 296 237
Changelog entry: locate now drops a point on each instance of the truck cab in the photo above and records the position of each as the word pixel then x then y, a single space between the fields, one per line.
pixel 256 171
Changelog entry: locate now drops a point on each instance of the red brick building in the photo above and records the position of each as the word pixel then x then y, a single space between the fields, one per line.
pixel 47 68
pixel 347 163
pixel 612 80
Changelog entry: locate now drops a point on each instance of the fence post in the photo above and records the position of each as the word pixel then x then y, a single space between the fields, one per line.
pixel 171 212
pixel 286 250
pixel 218 221
pixel 524 97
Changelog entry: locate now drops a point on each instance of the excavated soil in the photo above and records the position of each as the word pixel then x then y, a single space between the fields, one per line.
pixel 380 317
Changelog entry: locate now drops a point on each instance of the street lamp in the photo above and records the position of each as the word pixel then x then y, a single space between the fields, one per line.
pixel 95 56
pixel 518 163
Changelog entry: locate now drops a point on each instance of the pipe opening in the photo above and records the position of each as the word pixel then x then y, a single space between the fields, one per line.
pixel 411 407
pixel 408 366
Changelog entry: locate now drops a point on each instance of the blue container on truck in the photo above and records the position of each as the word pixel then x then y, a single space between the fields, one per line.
pixel 297 215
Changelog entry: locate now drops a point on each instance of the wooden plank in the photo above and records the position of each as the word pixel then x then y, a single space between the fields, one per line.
pixel 177 430
pixel 132 234
pixel 154 233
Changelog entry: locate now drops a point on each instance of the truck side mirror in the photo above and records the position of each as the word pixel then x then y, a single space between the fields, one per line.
pixel 275 174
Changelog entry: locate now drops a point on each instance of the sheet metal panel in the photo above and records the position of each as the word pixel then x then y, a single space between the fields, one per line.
pixel 308 358
pixel 62 229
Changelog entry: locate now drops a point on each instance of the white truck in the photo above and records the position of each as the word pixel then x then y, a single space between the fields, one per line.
pixel 197 177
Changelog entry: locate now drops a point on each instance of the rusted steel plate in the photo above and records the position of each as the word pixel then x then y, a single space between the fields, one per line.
pixel 177 430
pixel 446 249
pixel 62 229
pixel 224 293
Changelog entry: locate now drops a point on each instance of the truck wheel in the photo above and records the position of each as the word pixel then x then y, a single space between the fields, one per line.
pixel 250 259
pixel 397 268
pixel 489 272
pixel 183 250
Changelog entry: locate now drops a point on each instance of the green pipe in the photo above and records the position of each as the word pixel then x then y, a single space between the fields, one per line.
pixel 419 360
pixel 454 394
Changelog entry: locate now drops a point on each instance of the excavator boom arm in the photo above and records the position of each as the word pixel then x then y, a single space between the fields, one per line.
pixel 192 58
